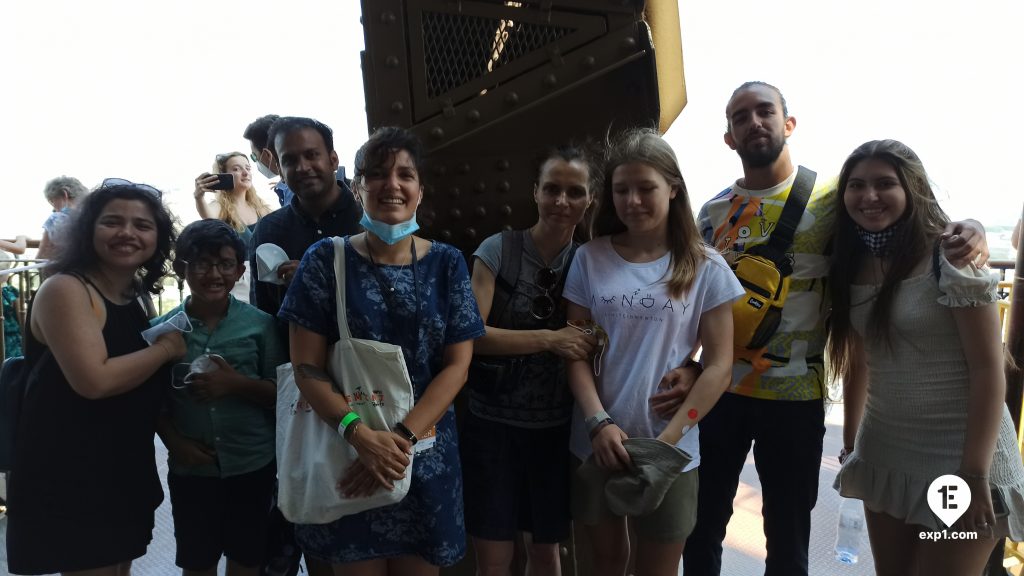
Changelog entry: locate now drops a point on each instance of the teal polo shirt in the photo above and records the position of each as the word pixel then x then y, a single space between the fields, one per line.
pixel 240 431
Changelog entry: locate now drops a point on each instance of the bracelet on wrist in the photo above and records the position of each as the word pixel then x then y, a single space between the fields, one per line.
pixel 350 431
pixel 346 421
pixel 600 426
pixel 596 422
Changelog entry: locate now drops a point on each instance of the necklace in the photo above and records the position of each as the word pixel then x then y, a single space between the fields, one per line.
pixel 389 293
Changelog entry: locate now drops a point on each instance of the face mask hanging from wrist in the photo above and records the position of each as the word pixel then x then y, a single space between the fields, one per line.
pixel 389 233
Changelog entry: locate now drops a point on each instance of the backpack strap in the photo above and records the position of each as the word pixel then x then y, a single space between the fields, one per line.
pixel 507 278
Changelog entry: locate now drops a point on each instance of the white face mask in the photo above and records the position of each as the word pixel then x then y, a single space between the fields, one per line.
pixel 265 171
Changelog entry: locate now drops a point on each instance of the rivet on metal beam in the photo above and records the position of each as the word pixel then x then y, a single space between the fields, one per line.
pixel 470 233
pixel 481 187
pixel 512 98
pixel 397 107
pixel 440 170
pixel 506 210
pixel 430 214
pixel 629 44
pixel 455 213
pixel 448 108
pixel 446 235
pixel 464 168
pixel 507 227
pixel 589 62
pixel 437 133
pixel 391 61
pixel 473 116
pixel 480 211
pixel 555 55
pixel 503 165
pixel 388 17
pixel 504 186
pixel 454 191
pixel 550 81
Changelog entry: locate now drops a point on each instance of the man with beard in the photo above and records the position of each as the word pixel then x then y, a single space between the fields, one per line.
pixel 303 150
pixel 779 406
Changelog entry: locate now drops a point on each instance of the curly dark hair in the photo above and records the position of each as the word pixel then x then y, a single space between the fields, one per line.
pixel 79 255
pixel 377 151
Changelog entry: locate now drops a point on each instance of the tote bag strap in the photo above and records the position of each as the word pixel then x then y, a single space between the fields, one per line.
pixel 339 293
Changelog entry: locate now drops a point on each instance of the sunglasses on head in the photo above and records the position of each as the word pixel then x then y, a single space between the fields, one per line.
pixel 128 183
pixel 543 305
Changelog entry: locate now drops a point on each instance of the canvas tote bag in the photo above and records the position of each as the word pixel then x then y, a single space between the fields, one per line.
pixel 311 456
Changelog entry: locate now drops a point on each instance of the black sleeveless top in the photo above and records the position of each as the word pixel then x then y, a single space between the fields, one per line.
pixel 76 457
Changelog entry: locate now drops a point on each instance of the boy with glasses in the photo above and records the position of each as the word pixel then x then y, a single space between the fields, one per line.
pixel 218 423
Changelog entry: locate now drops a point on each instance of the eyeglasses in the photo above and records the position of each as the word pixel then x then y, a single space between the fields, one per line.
pixel 203 267
pixel 543 305
pixel 128 183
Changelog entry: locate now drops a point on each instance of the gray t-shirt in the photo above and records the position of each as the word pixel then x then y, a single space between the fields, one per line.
pixel 528 391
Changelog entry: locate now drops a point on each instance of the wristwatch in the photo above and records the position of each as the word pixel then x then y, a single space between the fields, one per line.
pixel 403 431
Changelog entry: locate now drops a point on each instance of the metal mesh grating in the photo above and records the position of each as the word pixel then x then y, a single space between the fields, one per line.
pixel 460 48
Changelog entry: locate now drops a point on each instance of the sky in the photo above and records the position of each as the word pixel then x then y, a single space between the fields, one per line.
pixel 152 91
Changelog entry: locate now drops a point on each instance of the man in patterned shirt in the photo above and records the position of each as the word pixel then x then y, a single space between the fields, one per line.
pixel 778 406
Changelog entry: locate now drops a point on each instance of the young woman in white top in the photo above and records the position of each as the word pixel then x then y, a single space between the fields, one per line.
pixel 649 281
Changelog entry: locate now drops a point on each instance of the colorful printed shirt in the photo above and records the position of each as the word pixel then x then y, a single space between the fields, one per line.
pixel 737 219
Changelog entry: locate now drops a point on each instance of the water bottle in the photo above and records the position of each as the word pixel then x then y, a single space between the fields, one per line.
pixel 850 532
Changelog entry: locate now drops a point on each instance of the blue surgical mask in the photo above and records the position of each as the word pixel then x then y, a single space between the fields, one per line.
pixel 389 233
pixel 265 171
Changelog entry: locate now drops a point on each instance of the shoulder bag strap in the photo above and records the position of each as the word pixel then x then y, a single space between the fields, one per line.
pixel 339 289
pixel 782 238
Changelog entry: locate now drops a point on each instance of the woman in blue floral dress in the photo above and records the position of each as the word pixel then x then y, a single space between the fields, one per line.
pixel 403 290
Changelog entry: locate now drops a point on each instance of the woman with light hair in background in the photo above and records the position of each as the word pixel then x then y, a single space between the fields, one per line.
pixel 63 192
pixel 241 207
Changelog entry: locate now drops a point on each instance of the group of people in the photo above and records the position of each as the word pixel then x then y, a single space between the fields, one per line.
pixel 582 360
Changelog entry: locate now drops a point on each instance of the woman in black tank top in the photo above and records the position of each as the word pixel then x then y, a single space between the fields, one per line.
pixel 84 483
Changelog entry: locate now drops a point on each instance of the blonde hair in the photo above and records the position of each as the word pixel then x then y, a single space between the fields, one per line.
pixel 646 146
pixel 227 207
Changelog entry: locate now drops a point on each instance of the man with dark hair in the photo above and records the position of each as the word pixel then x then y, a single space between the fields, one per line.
pixel 257 134
pixel 776 400
pixel 322 206
pixel 302 149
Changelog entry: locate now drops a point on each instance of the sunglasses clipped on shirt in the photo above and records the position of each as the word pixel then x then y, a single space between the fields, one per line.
pixel 543 305
pixel 128 183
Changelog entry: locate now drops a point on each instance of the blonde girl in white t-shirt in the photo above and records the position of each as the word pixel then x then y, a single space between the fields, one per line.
pixel 658 291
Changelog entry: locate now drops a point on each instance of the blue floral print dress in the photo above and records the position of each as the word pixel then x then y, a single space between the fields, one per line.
pixel 428 522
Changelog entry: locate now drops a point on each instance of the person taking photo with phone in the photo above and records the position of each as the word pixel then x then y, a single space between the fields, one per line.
pixel 235 202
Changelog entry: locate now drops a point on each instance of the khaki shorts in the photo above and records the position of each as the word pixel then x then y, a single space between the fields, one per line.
pixel 672 521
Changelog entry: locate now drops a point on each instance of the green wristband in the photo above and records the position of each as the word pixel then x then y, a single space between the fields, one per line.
pixel 345 421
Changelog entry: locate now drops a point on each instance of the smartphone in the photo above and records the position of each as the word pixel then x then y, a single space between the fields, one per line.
pixel 999 508
pixel 224 182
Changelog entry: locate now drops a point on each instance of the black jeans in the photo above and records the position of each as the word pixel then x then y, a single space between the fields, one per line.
pixel 787 438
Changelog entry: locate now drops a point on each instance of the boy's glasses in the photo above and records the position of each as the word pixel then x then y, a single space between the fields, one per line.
pixel 203 267
pixel 122 182
pixel 543 305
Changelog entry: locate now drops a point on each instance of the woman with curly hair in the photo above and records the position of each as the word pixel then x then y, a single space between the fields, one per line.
pixel 84 440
